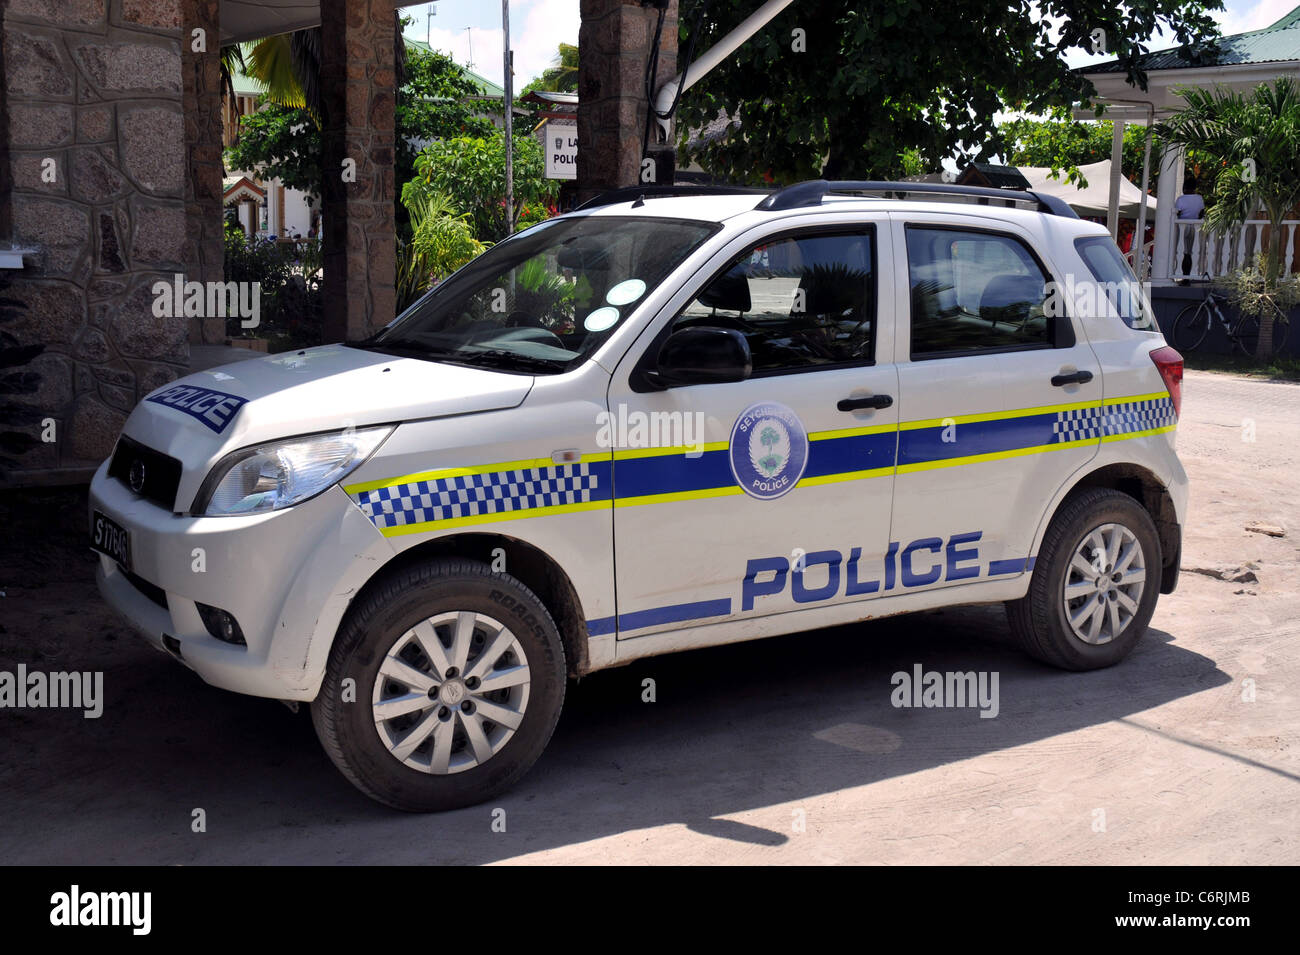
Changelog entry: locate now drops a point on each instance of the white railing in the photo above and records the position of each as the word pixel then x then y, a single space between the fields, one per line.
pixel 1198 252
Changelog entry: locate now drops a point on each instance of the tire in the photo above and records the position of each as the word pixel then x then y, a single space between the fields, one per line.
pixel 394 627
pixel 1245 336
pixel 1039 619
pixel 1191 327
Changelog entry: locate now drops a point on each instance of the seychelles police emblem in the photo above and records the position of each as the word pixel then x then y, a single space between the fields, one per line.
pixel 768 450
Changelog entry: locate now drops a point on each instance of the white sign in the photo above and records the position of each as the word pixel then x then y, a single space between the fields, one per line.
pixel 560 145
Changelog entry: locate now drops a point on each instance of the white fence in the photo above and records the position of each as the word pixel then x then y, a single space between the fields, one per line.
pixel 1198 253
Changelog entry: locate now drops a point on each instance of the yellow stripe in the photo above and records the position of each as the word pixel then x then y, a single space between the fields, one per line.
pixel 851 432
pixel 1153 395
pixel 845 476
pixel 999 415
pixel 678 496
pixel 474 469
pixel 1140 434
pixel 489 518
pixel 992 456
pixel 633 453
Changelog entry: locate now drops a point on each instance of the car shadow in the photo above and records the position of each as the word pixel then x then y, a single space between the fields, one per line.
pixel 730 729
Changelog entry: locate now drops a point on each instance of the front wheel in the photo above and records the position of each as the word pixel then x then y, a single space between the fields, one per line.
pixel 443 686
pixel 1191 327
pixel 1095 584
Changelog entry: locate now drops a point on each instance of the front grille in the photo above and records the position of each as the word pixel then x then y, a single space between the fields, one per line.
pixel 162 474
pixel 152 591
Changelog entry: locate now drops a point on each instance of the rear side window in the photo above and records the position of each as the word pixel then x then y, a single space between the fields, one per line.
pixel 1115 283
pixel 802 302
pixel 974 291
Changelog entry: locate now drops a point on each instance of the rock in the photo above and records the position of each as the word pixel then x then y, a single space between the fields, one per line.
pixel 1271 530
pixel 1233 574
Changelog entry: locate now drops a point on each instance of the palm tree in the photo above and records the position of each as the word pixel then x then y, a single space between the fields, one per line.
pixel 563 76
pixel 1257 138
pixel 288 67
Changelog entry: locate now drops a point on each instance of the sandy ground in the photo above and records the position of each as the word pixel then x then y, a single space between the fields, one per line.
pixel 781 751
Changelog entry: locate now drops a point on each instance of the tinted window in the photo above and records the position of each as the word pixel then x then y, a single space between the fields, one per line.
pixel 1116 282
pixel 972 291
pixel 800 301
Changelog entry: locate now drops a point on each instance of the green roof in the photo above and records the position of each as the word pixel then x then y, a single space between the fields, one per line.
pixel 1276 43
pixel 487 87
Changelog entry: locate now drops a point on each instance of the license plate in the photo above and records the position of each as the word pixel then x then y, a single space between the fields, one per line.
pixel 109 537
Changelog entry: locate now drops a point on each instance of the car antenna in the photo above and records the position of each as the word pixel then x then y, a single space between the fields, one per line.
pixel 640 201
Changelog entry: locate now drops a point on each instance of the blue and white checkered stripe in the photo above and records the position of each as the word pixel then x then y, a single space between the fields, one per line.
pixel 472 495
pixel 1083 424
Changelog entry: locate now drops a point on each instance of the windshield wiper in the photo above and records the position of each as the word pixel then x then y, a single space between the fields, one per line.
pixel 520 359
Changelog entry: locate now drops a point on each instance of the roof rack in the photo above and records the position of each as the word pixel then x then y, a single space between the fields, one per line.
pixel 626 193
pixel 811 193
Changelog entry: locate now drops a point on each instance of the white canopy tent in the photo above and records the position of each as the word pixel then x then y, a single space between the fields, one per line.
pixel 1095 199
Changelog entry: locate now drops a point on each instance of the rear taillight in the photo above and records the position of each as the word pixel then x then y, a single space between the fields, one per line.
pixel 1170 365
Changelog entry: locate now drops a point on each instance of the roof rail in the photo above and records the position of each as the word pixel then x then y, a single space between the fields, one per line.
pixel 811 193
pixel 626 193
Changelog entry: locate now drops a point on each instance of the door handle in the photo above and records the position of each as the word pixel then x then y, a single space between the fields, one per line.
pixel 857 404
pixel 1073 378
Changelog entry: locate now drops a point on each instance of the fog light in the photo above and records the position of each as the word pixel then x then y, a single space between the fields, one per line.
pixel 221 625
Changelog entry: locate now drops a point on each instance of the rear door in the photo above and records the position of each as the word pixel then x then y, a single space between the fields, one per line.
pixel 999 402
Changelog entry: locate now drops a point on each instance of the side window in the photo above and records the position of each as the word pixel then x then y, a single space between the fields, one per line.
pixel 972 291
pixel 800 301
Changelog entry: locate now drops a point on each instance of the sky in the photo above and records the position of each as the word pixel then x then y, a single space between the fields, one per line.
pixel 538 27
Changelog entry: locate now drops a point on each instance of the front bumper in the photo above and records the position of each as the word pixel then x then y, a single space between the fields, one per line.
pixel 287 577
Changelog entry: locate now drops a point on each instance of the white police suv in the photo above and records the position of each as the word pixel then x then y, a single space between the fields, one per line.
pixel 660 422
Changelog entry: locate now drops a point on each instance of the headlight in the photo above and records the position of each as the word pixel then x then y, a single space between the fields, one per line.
pixel 283 473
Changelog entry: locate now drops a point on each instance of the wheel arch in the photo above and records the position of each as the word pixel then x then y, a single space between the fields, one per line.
pixel 523 561
pixel 1147 489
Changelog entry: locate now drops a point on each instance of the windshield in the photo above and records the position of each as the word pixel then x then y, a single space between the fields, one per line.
pixel 542 301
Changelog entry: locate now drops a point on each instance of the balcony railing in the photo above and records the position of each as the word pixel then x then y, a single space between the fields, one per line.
pixel 1199 253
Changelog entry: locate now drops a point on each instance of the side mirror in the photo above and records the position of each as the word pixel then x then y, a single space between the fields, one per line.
pixel 704 355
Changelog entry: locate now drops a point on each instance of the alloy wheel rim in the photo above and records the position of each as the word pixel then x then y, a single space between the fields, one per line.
pixel 451 692
pixel 1104 584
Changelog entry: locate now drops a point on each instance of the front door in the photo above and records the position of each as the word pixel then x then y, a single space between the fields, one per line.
pixel 771 494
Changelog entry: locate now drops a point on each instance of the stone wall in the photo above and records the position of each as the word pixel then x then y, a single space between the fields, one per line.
pixel 616 38
pixel 98 158
pixel 358 84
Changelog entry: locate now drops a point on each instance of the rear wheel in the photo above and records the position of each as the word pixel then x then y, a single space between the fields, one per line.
pixel 1191 327
pixel 1095 583
pixel 443 687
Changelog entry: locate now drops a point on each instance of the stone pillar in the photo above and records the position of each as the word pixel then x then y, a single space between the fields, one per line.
pixel 96 143
pixel 616 38
pixel 201 72
pixel 358 229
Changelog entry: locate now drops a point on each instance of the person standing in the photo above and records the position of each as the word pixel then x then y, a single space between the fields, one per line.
pixel 1189 205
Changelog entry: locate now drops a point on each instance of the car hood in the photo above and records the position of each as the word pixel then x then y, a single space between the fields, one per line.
pixel 203 416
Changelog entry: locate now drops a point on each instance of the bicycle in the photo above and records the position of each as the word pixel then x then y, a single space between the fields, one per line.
pixel 1193 323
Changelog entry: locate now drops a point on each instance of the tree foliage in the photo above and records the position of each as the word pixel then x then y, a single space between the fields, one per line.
pixel 470 171
pixel 280 142
pixel 1064 145
pixel 1255 137
pixel 874 79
